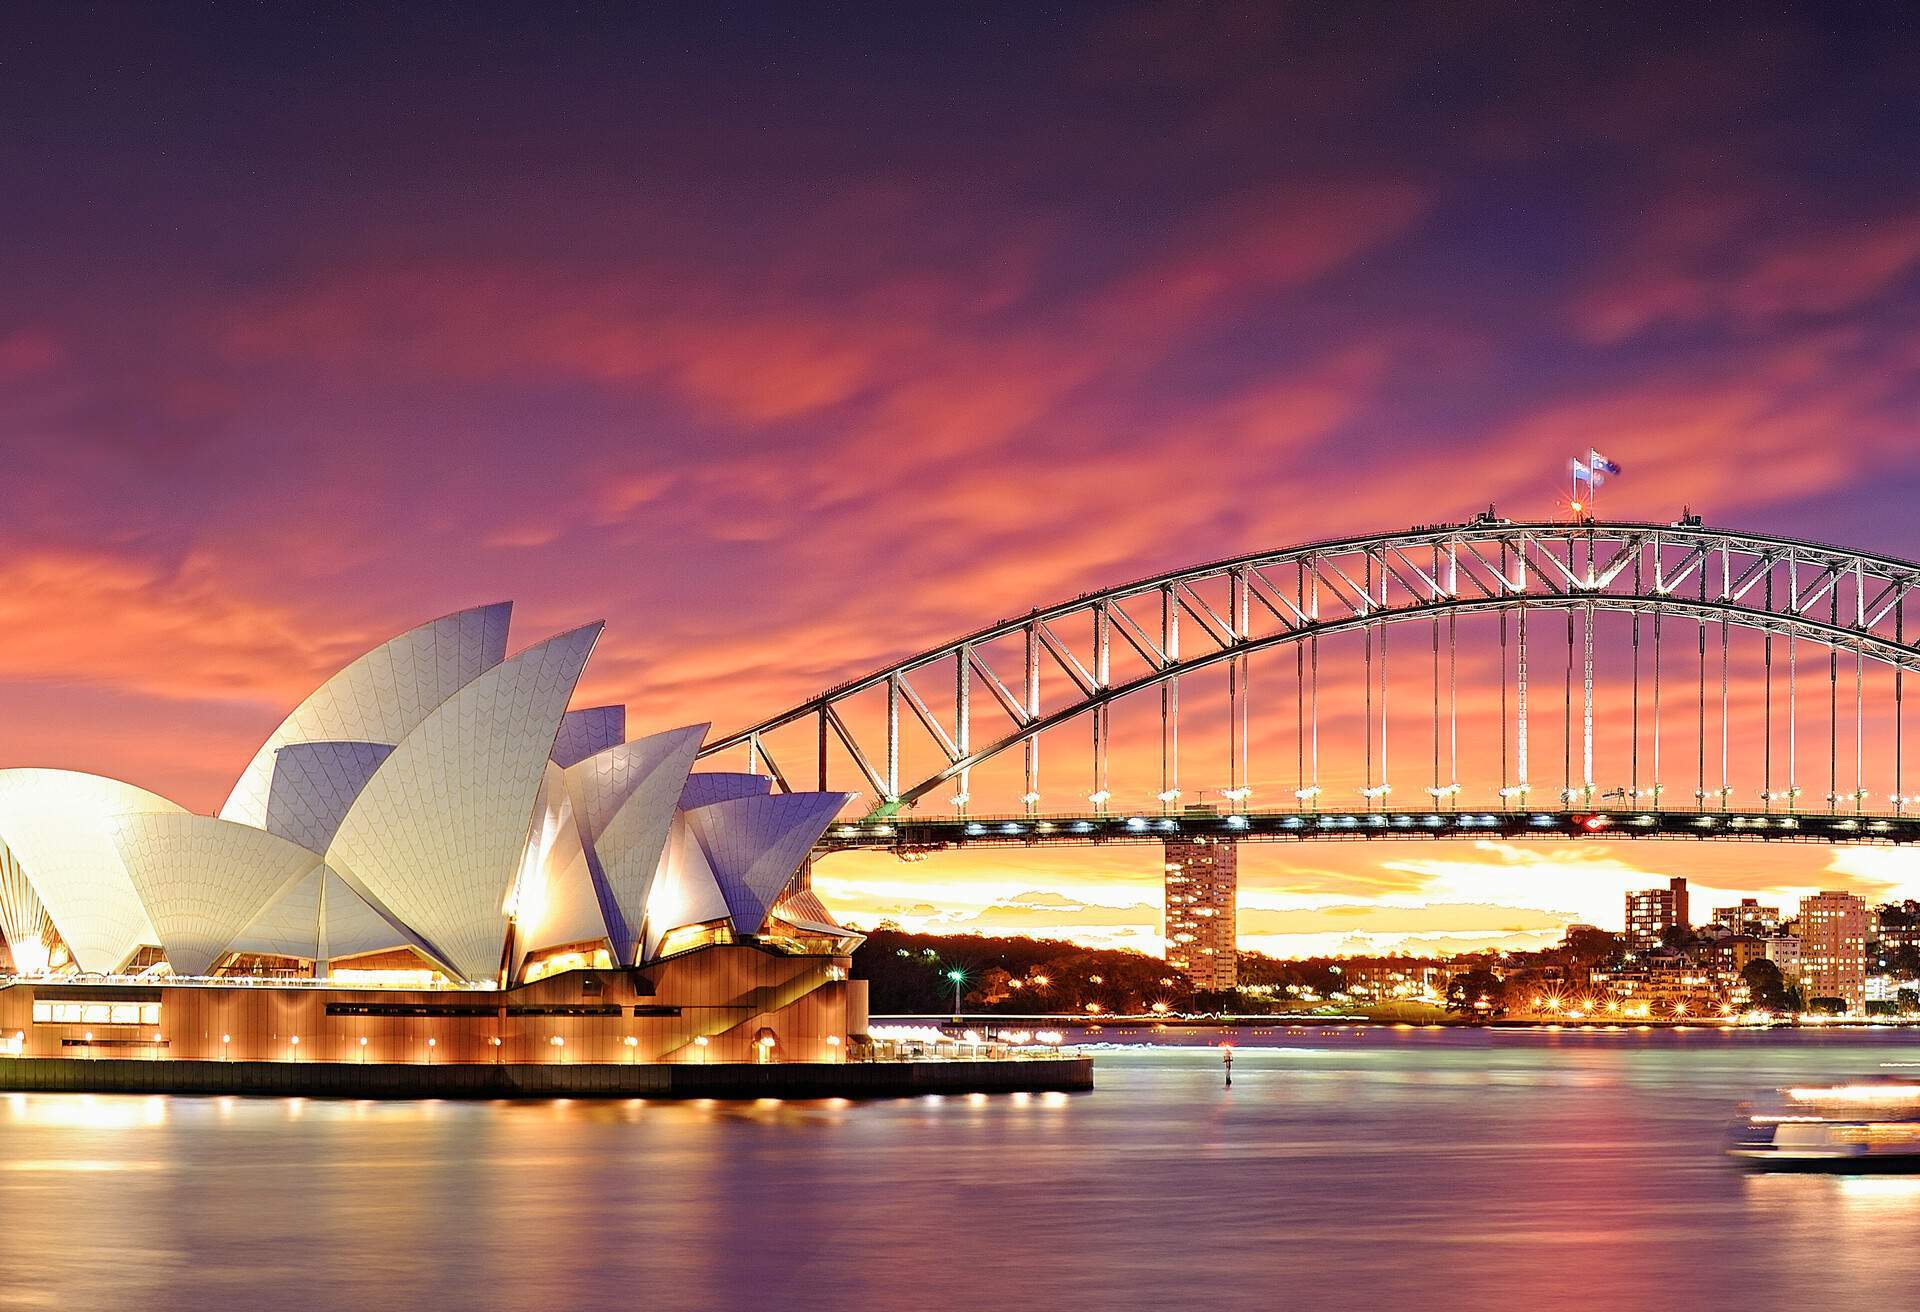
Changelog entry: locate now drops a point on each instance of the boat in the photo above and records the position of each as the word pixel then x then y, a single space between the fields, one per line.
pixel 1862 1125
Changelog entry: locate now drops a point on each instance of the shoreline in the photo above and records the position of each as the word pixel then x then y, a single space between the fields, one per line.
pixel 1081 1024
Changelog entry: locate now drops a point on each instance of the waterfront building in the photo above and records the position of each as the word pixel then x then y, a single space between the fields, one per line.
pixel 1202 889
pixel 746 1002
pixel 1397 978
pixel 1748 917
pixel 1833 948
pixel 431 847
pixel 1661 986
pixel 1652 911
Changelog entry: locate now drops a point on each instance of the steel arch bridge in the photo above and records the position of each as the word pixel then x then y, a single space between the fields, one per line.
pixel 1693 740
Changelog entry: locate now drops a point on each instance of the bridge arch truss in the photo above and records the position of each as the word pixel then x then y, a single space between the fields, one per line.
pixel 1823 615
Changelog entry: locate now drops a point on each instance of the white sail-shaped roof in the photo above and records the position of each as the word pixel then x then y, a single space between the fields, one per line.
pixel 289 925
pixel 708 787
pixel 23 917
pixel 354 928
pixel 59 824
pixel 319 919
pixel 623 801
pixel 587 731
pixel 437 836
pixel 203 879
pixel 381 697
pixel 555 901
pixel 803 909
pixel 755 844
pixel 314 785
pixel 685 891
pixel 553 897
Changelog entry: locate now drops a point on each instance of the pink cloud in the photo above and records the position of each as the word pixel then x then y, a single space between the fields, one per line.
pixel 1699 261
pixel 28 351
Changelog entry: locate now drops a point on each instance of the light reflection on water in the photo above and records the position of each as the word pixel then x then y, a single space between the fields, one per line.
pixel 1345 1168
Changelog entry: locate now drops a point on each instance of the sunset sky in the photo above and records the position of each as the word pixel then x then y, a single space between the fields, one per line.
pixel 793 341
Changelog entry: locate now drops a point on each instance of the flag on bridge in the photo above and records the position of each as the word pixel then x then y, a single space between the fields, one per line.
pixel 1599 464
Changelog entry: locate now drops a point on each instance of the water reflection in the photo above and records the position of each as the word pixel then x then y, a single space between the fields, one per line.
pixel 1345 1168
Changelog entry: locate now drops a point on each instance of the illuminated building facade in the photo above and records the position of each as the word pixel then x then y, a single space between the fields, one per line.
pixel 1661 989
pixel 1652 911
pixel 1784 952
pixel 1748 918
pixel 1732 954
pixel 1202 888
pixel 1833 948
pixel 728 1003
pixel 1392 979
pixel 427 837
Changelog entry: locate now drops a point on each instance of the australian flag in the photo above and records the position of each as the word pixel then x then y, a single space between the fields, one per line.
pixel 1599 464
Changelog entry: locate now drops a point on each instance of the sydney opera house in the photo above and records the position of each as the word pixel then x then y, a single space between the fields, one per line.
pixel 432 858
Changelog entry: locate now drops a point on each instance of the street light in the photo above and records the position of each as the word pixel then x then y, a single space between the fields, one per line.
pixel 958 977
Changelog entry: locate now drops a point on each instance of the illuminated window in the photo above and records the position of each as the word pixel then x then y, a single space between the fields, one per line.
pixel 401 979
pixel 693 936
pixel 95 1013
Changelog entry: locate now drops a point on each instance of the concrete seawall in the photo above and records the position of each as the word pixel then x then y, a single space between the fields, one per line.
pixel 729 1080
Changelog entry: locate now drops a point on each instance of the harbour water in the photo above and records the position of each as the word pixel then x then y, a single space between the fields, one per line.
pixel 1345 1168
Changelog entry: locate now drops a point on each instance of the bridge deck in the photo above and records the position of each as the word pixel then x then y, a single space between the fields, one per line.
pixel 909 834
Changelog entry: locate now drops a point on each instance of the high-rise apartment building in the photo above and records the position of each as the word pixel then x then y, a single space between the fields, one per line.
pixel 1651 911
pixel 1833 948
pixel 1202 886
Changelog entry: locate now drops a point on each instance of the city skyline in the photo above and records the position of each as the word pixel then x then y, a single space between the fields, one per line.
pixel 791 380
